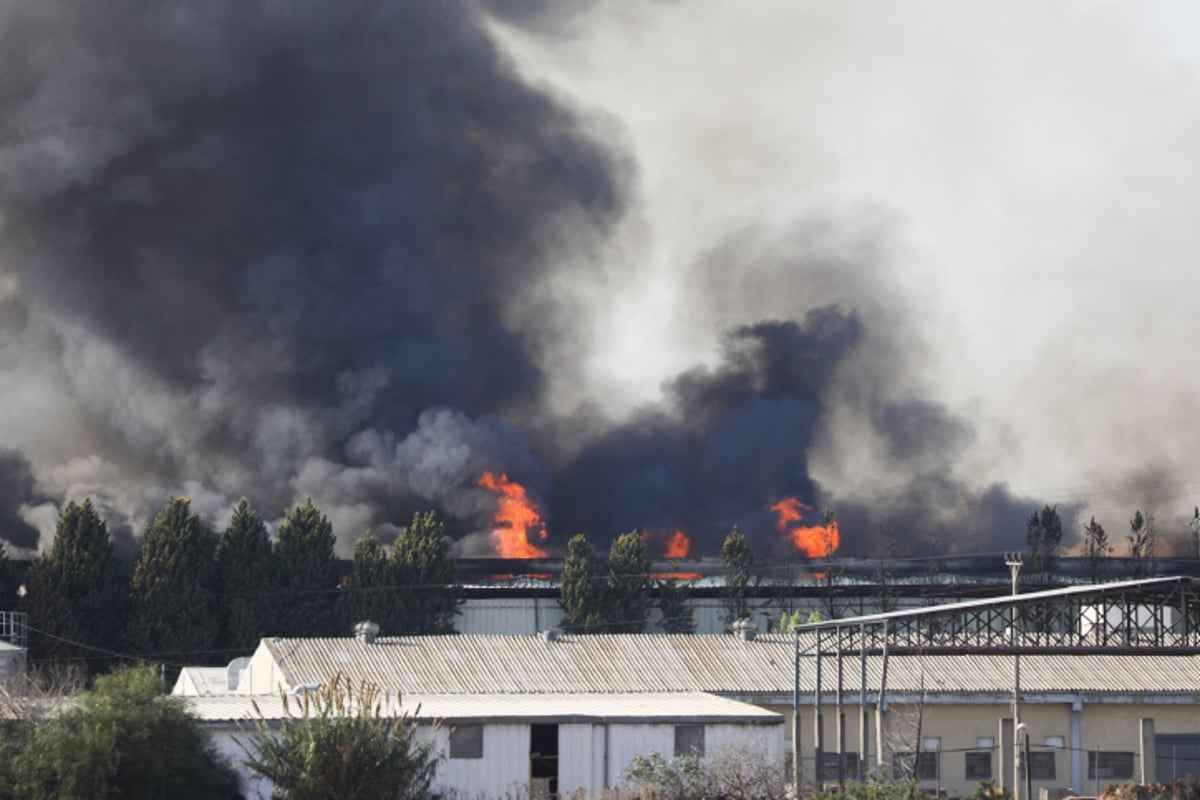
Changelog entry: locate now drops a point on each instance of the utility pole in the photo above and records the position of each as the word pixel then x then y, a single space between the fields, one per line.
pixel 1013 561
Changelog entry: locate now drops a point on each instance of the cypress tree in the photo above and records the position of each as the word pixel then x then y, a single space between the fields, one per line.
pixel 174 584
pixel 629 590
pixel 583 588
pixel 77 591
pixel 1043 533
pixel 245 581
pixel 8 582
pixel 307 573
pixel 674 601
pixel 427 576
pixel 739 563
pixel 370 592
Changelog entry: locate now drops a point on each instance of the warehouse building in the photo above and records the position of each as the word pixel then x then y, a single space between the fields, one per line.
pixel 1108 681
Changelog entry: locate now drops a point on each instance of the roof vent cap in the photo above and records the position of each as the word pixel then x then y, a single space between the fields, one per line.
pixel 366 631
pixel 745 630
pixel 550 635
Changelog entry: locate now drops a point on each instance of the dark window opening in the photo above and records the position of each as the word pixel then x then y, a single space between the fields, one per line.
pixel 829 766
pixel 466 741
pixel 979 765
pixel 1110 765
pixel 689 741
pixel 922 766
pixel 1041 766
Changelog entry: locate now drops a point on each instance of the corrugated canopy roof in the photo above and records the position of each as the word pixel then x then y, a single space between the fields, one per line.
pixel 671 707
pixel 722 664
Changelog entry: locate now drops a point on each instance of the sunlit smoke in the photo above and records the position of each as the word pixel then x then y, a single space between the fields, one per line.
pixel 516 517
pixel 816 541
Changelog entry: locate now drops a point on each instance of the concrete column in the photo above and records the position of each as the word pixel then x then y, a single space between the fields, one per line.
pixel 1004 769
pixel 882 754
pixel 1149 757
pixel 1077 745
pixel 797 752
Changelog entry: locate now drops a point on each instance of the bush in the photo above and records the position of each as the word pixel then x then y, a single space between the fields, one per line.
pixel 342 743
pixel 732 773
pixel 122 739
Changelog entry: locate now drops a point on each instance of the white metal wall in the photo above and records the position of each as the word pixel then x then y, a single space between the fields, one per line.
pixel 503 768
pixel 228 743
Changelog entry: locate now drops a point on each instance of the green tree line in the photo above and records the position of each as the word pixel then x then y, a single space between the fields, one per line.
pixel 197 597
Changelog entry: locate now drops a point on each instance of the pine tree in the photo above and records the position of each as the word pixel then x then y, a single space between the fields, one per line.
pixel 77 592
pixel 1043 534
pixel 739 566
pixel 675 604
pixel 8 582
pixel 629 584
pixel 246 581
pixel 1095 548
pixel 307 572
pixel 583 588
pixel 427 576
pixel 1141 544
pixel 370 591
pixel 174 585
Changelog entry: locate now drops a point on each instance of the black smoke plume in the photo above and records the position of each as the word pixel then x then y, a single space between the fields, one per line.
pixel 343 250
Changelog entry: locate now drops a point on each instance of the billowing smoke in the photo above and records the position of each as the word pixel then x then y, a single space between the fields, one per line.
pixel 255 239
pixel 350 252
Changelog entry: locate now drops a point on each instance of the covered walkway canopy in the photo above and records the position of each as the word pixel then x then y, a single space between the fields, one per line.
pixel 1154 615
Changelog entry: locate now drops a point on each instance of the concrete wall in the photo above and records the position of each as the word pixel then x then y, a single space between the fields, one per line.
pixel 1084 725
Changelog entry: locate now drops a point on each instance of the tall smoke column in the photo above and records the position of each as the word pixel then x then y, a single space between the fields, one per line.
pixel 245 246
pixel 349 252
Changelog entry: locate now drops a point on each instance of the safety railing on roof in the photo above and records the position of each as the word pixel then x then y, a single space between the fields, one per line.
pixel 13 627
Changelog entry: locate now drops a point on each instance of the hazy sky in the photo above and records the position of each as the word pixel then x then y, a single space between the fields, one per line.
pixel 1031 170
pixel 926 264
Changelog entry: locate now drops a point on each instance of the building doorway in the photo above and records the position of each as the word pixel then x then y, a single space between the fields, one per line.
pixel 543 761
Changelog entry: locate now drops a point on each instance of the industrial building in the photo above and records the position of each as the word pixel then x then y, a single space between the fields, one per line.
pixel 1107 679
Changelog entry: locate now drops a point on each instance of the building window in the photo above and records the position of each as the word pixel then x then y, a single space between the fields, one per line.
pixel 829 766
pixel 466 741
pixel 1041 765
pixel 979 765
pixel 689 741
pixel 1055 743
pixel 921 766
pixel 1110 765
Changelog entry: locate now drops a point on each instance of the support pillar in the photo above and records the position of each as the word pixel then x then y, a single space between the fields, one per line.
pixel 1149 756
pixel 1077 745
pixel 1004 770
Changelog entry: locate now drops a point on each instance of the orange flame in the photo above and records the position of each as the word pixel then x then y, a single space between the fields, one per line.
pixel 678 546
pixel 817 541
pixel 516 517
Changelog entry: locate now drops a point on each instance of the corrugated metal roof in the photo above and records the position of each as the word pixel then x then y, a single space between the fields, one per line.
pixel 723 664
pixel 205 680
pixel 643 707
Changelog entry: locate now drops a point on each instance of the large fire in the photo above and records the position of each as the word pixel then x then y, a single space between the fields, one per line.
pixel 678 546
pixel 817 541
pixel 516 517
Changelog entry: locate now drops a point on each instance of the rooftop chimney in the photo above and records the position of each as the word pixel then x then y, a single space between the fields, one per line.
pixel 366 631
pixel 745 630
